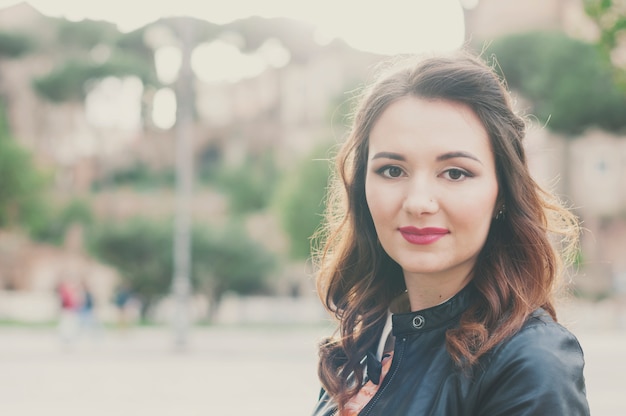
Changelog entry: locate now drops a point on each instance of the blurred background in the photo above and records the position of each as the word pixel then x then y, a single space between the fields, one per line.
pixel 162 167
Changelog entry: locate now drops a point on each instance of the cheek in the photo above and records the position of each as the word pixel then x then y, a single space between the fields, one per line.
pixel 376 202
pixel 477 212
pixel 371 199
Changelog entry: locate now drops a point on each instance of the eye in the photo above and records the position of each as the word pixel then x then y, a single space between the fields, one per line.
pixel 390 171
pixel 456 175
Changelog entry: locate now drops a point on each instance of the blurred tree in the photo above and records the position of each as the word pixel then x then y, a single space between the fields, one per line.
pixel 86 34
pixel 134 43
pixel 226 260
pixel 21 187
pixel 65 83
pixel 70 81
pixel 141 251
pixel 567 81
pixel 14 45
pixel 223 260
pixel 249 187
pixel 299 202
pixel 610 18
pixel 52 225
pixel 21 184
pixel 89 51
pixel 138 176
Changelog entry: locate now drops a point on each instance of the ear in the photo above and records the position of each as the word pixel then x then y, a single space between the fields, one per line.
pixel 498 207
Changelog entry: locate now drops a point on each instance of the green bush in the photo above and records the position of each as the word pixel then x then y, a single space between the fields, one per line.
pixel 54 223
pixel 222 259
pixel 139 176
pixel 249 187
pixel 22 187
pixel 228 260
pixel 299 202
pixel 568 82
pixel 141 252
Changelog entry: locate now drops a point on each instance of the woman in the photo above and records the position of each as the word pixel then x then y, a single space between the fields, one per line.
pixel 438 262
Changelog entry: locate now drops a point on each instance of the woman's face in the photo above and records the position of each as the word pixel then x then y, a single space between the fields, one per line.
pixel 431 187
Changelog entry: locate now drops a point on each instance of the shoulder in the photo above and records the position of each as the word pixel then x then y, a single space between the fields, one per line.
pixel 542 343
pixel 540 368
pixel 541 334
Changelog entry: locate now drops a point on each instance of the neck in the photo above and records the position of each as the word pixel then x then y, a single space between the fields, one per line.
pixel 426 291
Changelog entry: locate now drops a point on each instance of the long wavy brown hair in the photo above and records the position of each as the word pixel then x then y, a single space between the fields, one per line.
pixel 516 271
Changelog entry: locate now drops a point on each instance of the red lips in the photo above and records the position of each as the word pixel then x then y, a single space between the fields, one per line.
pixel 423 236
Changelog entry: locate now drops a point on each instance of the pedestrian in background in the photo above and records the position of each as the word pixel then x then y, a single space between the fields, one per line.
pixel 89 323
pixel 69 302
pixel 441 256
pixel 127 306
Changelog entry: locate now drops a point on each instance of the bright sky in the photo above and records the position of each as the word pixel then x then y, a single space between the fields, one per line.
pixel 387 27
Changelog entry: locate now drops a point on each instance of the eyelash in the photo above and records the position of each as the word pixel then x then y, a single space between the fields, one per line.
pixel 463 172
pixel 384 172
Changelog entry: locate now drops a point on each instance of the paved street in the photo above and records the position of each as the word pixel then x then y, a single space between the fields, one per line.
pixel 224 371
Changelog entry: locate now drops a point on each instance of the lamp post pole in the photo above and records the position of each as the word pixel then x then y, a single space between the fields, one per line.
pixel 181 281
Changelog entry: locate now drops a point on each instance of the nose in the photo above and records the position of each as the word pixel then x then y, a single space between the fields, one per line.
pixel 420 198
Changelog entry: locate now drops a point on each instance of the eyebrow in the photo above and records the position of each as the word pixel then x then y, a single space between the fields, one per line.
pixel 453 155
pixel 389 155
pixel 445 156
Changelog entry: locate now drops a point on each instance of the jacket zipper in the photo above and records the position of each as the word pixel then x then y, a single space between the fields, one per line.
pixel 392 372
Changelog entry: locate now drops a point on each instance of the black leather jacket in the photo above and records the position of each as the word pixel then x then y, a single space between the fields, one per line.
pixel 538 371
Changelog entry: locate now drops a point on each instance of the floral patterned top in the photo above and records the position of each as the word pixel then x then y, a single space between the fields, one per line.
pixel 369 389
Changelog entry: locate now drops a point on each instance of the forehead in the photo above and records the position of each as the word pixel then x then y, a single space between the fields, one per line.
pixel 413 124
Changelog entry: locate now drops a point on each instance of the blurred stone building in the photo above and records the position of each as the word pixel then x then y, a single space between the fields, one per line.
pixel 489 19
pixel 284 108
pixel 288 108
pixel 589 170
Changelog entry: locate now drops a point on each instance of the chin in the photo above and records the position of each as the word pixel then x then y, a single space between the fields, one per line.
pixel 420 269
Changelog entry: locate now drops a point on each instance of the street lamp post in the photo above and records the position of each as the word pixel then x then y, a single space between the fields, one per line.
pixel 181 281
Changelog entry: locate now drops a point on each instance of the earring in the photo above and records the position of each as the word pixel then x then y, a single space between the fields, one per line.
pixel 500 213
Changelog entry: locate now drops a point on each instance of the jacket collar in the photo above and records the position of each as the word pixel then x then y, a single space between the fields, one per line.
pixel 431 318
